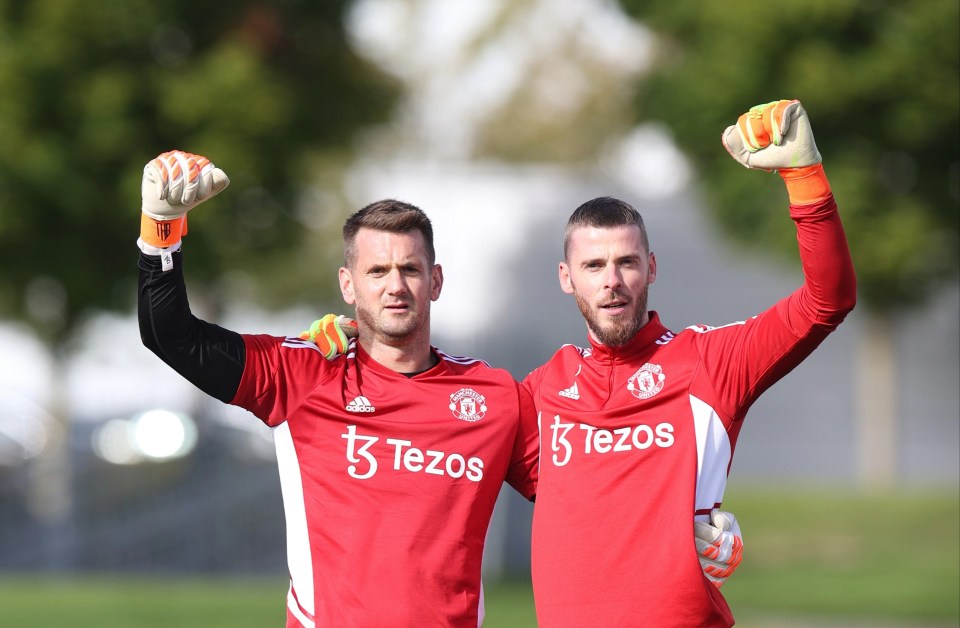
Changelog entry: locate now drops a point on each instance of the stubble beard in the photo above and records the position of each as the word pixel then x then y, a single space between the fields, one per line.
pixel 392 333
pixel 617 332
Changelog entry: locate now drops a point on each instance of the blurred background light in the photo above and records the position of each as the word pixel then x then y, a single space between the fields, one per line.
pixel 155 435
pixel 25 428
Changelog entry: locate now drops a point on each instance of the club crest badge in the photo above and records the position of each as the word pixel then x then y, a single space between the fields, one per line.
pixel 468 405
pixel 646 382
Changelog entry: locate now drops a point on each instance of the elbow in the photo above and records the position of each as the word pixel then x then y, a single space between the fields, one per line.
pixel 147 336
pixel 841 306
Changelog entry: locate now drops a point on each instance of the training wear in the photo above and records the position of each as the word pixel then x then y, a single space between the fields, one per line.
pixel 636 440
pixel 388 481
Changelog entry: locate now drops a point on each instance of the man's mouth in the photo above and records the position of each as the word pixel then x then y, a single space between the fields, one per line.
pixel 614 307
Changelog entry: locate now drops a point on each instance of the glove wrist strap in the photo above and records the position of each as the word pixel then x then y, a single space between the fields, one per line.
pixel 807 185
pixel 162 233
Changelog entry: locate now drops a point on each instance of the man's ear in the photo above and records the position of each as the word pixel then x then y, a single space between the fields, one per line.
pixel 565 282
pixel 652 269
pixel 346 286
pixel 436 284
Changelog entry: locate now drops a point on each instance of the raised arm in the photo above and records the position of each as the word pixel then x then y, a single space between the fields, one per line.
pixel 777 136
pixel 210 357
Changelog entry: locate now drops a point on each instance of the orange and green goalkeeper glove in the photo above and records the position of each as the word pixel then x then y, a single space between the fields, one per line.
pixel 174 183
pixel 777 136
pixel 331 334
pixel 719 546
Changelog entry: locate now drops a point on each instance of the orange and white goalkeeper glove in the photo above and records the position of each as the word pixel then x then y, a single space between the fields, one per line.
pixel 777 136
pixel 174 183
pixel 719 546
pixel 331 334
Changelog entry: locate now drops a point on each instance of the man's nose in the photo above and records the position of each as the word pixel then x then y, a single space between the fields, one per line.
pixel 396 284
pixel 611 277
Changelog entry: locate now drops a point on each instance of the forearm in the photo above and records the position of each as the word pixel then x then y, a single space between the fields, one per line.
pixel 210 357
pixel 830 290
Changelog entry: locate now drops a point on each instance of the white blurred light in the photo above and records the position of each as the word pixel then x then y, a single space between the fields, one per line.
pixel 161 434
pixel 112 443
pixel 25 428
pixel 648 163
pixel 153 435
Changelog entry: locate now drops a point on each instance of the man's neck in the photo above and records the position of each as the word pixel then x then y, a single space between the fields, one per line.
pixel 409 358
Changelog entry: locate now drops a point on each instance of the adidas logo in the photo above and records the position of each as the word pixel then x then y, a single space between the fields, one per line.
pixel 360 404
pixel 571 393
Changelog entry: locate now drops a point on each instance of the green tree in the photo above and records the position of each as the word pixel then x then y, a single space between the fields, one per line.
pixel 92 91
pixel 880 82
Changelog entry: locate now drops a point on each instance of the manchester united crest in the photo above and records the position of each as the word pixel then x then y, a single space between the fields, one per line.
pixel 646 382
pixel 468 405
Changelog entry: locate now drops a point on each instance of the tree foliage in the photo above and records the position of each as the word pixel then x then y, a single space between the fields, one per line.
pixel 880 83
pixel 93 90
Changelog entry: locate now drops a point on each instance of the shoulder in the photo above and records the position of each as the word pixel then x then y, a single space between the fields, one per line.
pixel 564 355
pixel 693 332
pixel 292 351
pixel 473 367
pixel 286 345
pixel 569 352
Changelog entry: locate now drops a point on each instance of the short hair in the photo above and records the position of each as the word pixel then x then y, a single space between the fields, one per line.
pixel 604 212
pixel 387 215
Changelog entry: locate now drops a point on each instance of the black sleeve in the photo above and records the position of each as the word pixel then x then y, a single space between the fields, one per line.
pixel 209 356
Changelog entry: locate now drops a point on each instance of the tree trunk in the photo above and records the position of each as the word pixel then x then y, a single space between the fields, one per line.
pixel 876 405
pixel 49 494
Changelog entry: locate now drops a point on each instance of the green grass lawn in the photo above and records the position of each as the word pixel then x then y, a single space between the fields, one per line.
pixel 812 558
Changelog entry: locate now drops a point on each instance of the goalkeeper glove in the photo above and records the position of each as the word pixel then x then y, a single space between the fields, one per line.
pixel 331 334
pixel 719 546
pixel 174 183
pixel 777 136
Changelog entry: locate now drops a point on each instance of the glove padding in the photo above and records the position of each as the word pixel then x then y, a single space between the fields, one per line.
pixel 175 182
pixel 331 334
pixel 773 136
pixel 719 546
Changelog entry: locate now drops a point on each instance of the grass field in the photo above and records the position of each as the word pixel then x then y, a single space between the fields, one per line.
pixel 812 559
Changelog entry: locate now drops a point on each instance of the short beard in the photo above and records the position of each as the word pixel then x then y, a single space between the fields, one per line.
pixel 619 332
pixel 392 337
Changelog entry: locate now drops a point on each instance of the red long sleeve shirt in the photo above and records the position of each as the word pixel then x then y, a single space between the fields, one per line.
pixel 389 481
pixel 636 440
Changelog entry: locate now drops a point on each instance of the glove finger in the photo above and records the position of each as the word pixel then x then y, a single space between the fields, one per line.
pixel 733 142
pixel 727 548
pixel 348 326
pixel 211 180
pixel 725 521
pixel 714 575
pixel 191 178
pixel 323 343
pixel 218 181
pixel 333 334
pixel 717 571
pixel 204 178
pixel 706 532
pixel 752 130
pixel 778 117
pixel 312 331
pixel 154 181
pixel 175 176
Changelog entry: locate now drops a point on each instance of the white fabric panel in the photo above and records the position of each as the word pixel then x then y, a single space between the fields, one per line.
pixel 713 455
pixel 299 558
